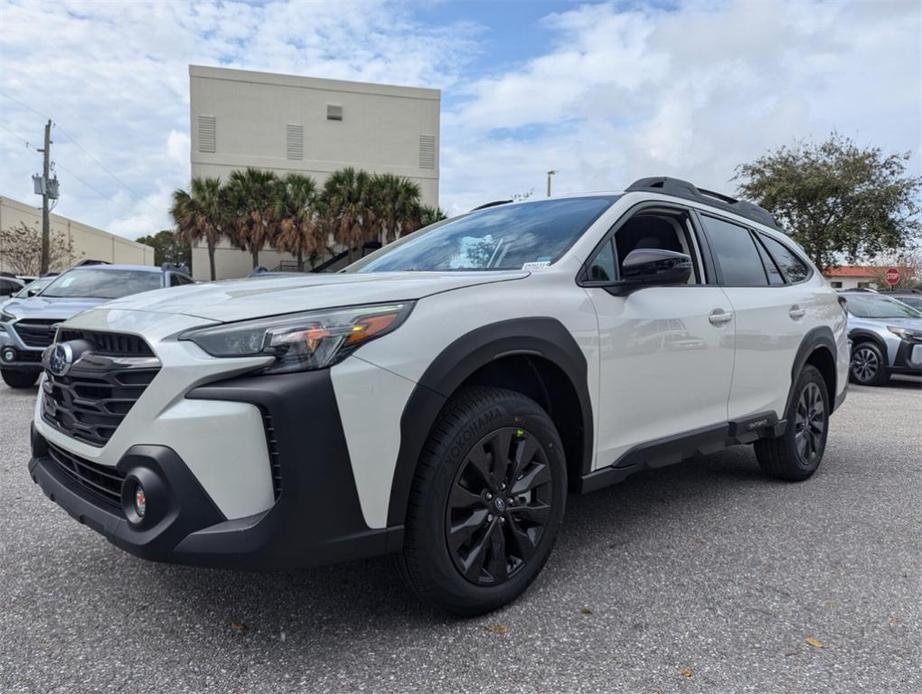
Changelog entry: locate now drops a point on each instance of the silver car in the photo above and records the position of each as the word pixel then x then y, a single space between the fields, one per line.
pixel 27 325
pixel 886 337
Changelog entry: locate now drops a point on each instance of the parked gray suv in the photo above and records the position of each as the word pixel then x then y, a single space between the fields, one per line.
pixel 27 326
pixel 886 337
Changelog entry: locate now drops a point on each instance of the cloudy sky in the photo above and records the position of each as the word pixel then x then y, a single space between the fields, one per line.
pixel 604 93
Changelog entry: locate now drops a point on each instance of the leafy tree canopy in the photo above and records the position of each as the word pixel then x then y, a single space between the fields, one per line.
pixel 169 247
pixel 837 199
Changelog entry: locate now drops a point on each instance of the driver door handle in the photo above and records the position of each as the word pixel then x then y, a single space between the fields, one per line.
pixel 718 316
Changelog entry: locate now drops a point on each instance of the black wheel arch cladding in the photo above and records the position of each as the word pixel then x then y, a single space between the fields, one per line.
pixel 819 338
pixel 542 336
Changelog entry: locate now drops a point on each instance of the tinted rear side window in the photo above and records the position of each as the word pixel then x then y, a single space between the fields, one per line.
pixel 736 253
pixel 794 269
pixel 774 274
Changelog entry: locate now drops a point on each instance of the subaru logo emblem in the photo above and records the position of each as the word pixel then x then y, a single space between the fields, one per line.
pixel 60 358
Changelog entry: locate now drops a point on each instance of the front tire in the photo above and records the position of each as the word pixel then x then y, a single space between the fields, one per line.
pixel 795 455
pixel 868 367
pixel 486 504
pixel 16 378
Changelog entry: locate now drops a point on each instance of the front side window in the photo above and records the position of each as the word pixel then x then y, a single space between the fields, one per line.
pixel 660 229
pixel 506 237
pixel 93 283
pixel 794 269
pixel 871 306
pixel 736 253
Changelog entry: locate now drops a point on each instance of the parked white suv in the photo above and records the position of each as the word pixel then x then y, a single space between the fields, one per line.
pixel 440 397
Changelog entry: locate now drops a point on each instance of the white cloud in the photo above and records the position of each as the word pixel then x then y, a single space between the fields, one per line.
pixel 114 78
pixel 690 92
pixel 614 95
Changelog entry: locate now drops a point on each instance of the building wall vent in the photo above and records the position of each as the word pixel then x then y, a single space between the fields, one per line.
pixel 294 141
pixel 334 112
pixel 207 134
pixel 427 151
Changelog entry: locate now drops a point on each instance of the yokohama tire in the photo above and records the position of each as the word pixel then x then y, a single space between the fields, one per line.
pixel 796 454
pixel 480 524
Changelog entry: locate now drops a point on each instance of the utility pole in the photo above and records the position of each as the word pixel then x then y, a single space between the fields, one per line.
pixel 549 174
pixel 48 189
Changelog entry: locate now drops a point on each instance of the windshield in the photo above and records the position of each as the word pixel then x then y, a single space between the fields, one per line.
pixel 867 306
pixel 506 237
pixel 94 283
pixel 33 288
pixel 914 301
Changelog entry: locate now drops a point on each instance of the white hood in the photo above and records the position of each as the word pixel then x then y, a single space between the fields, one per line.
pixel 234 300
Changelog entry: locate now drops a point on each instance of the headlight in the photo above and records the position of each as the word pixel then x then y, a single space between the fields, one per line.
pixel 302 341
pixel 6 317
pixel 906 333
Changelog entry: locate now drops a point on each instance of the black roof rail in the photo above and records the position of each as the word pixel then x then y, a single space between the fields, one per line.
pixel 684 189
pixel 491 204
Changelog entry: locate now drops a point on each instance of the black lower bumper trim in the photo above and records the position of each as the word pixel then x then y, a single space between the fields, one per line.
pixel 316 519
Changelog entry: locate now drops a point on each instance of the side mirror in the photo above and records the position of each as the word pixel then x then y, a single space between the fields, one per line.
pixel 652 267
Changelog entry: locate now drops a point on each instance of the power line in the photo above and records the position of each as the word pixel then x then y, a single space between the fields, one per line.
pixel 138 196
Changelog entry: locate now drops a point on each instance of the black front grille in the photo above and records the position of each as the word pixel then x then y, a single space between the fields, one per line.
pixel 90 401
pixel 35 332
pixel 110 344
pixel 99 483
pixel 29 356
pixel 272 444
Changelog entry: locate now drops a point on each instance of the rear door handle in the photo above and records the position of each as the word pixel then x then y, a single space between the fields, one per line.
pixel 719 316
pixel 797 312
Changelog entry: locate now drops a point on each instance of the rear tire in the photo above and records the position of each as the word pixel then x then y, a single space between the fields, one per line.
pixel 16 378
pixel 868 367
pixel 486 504
pixel 795 455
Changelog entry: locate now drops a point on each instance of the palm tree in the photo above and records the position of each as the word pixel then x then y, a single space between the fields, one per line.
pixel 252 194
pixel 296 212
pixel 347 213
pixel 395 201
pixel 426 215
pixel 201 214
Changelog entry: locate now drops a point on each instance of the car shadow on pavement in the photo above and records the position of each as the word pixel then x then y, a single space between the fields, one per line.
pixel 297 607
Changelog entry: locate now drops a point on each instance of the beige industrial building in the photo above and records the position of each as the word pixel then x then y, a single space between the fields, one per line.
pixel 87 242
pixel 310 126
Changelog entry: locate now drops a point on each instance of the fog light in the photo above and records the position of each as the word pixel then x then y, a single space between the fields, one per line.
pixel 8 354
pixel 140 501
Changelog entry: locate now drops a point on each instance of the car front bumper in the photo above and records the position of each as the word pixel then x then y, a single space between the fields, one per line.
pixel 15 354
pixel 315 519
pixel 908 358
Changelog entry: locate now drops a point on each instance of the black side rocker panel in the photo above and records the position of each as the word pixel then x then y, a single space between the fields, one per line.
pixel 675 449
pixel 545 337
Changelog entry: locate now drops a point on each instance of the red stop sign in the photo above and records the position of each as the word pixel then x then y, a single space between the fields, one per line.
pixel 892 276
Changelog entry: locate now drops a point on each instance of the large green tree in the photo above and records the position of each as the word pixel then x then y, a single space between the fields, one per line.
pixel 837 199
pixel 169 247
pixel 202 213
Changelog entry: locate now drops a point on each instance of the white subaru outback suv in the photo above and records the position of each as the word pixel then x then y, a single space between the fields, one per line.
pixel 439 398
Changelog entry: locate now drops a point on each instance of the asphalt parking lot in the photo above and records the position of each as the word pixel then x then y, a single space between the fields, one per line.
pixel 698 578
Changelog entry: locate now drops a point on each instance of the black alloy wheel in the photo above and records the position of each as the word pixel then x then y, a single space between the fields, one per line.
pixel 810 424
pixel 498 506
